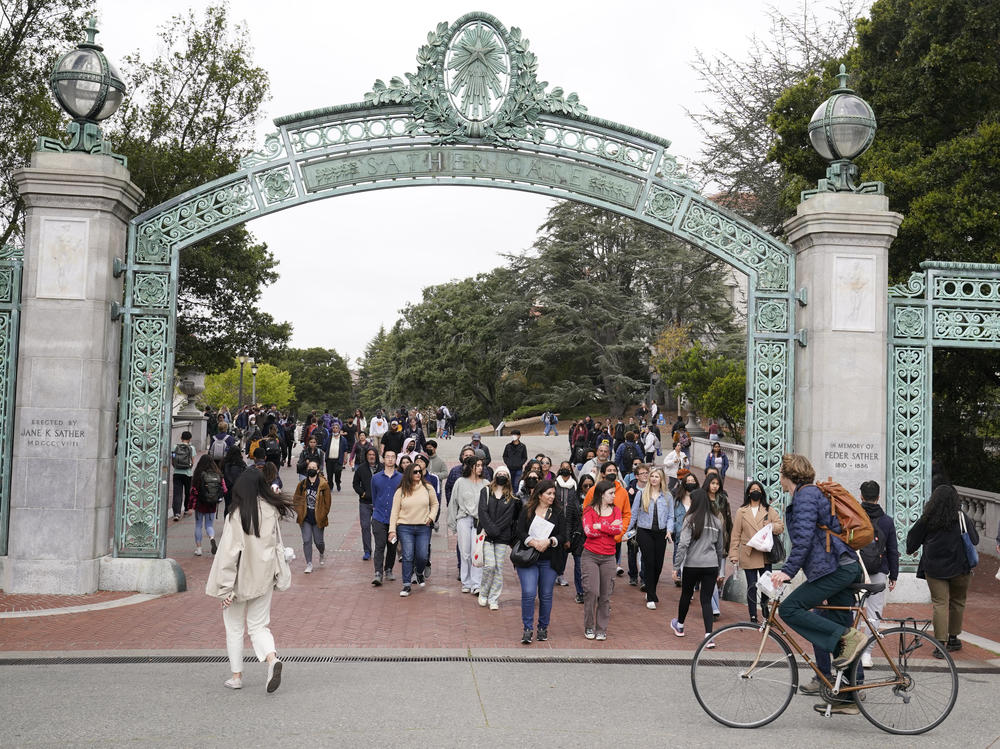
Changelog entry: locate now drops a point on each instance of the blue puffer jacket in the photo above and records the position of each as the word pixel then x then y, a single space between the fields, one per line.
pixel 808 510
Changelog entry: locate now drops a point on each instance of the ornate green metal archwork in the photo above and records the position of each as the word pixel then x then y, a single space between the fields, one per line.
pixel 956 305
pixel 474 114
pixel 11 266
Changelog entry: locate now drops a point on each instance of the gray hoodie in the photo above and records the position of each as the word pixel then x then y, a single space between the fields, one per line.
pixel 705 551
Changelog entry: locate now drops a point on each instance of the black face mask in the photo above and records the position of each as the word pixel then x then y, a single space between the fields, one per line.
pixel 690 487
pixel 311 473
pixel 501 479
pixel 756 496
pixel 611 477
pixel 564 472
pixel 530 483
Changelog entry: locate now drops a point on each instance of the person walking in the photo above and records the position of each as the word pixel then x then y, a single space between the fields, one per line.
pixel 719 498
pixel 244 572
pixel 750 518
pixel 312 512
pixel 498 509
pixel 336 454
pixel 515 455
pixel 602 524
pixel 538 579
pixel 568 502
pixel 207 490
pixel 233 466
pixel 673 462
pixel 652 518
pixel 414 507
pixel 880 557
pixel 700 552
pixel 462 516
pixel 182 461
pixel 718 460
pixel 943 561
pixel 384 486
pixel 362 484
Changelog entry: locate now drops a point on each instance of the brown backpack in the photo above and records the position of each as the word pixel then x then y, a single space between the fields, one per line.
pixel 855 526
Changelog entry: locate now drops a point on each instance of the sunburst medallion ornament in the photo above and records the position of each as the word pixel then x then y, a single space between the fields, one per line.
pixel 477 71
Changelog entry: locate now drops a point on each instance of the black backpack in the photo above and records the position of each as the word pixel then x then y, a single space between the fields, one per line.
pixel 211 488
pixel 629 454
pixel 183 456
pixel 580 451
pixel 273 448
pixel 873 554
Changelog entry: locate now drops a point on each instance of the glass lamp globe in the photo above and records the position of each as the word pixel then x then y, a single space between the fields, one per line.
pixel 843 126
pixel 85 83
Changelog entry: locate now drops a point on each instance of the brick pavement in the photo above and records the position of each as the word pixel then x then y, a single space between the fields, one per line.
pixel 336 607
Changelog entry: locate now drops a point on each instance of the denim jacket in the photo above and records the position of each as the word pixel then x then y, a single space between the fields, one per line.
pixel 664 512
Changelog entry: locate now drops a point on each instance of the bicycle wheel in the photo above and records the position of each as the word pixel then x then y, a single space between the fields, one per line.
pixel 930 690
pixel 733 692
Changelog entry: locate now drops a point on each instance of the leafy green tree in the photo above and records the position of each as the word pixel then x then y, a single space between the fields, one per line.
pixel 188 119
pixel 929 69
pixel 605 285
pixel 33 33
pixel 378 370
pixel 274 387
pixel 320 378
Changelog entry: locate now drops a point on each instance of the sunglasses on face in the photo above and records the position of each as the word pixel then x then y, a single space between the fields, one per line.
pixel 418 473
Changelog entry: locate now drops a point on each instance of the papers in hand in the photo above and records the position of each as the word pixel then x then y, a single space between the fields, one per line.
pixel 540 529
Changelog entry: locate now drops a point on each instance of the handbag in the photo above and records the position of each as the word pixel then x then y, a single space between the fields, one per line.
pixel 777 553
pixel 478 549
pixel 734 588
pixel 971 553
pixel 522 555
pixel 283 577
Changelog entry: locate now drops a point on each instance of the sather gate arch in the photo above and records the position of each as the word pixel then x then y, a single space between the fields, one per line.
pixel 476 114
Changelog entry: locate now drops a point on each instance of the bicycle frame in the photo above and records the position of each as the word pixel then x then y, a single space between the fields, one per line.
pixel 772 623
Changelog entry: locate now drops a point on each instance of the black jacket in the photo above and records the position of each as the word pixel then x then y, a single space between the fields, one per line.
pixel 568 501
pixel 392 441
pixel 554 516
pixel 944 553
pixel 884 525
pixel 515 456
pixel 363 481
pixel 497 517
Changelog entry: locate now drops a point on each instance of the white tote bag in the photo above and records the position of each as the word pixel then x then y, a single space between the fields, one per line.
pixel 762 540
pixel 477 549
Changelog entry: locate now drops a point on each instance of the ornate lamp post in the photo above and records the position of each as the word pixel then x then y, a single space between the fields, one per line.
pixel 89 89
pixel 253 371
pixel 243 360
pixel 841 129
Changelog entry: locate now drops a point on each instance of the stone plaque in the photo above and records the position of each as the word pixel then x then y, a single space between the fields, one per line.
pixel 854 304
pixel 62 259
pixel 56 433
pixel 852 461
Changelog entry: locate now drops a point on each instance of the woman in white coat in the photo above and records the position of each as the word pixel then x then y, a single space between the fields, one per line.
pixel 244 572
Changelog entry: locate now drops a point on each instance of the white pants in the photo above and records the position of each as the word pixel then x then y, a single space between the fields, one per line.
pixel 257 613
pixel 472 577
pixel 874 605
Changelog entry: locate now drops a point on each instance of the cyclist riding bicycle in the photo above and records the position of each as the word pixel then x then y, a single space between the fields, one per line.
pixel 829 574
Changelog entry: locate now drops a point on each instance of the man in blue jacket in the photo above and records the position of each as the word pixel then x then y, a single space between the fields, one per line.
pixel 384 486
pixel 829 574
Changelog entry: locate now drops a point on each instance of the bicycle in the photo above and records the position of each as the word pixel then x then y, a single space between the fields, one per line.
pixel 744 675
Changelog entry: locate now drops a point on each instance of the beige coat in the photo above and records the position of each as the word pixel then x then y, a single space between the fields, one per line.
pixel 244 564
pixel 745 525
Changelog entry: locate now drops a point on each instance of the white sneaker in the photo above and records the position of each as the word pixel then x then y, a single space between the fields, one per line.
pixel 309 568
pixel 651 605
pixel 465 590
pixel 482 601
pixel 494 606
pixel 866 660
pixel 197 551
pixel 322 560
pixel 234 683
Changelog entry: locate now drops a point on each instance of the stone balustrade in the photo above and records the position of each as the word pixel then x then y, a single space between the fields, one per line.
pixel 701 446
pixel 984 509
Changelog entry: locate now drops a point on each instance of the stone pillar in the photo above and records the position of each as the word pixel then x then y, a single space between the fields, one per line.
pixel 841 242
pixel 63 479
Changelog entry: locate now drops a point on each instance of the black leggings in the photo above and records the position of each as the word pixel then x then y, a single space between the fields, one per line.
pixel 691 577
pixel 752 591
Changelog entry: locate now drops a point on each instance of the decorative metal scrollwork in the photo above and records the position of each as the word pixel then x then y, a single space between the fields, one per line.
pixel 770 390
pixel 909 322
pixel 772 316
pixel 152 290
pixel 11 267
pixel 663 204
pixel 915 286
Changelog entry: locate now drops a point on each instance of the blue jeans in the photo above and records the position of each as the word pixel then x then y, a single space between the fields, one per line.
pixel 825 629
pixel 536 581
pixel 414 541
pixel 577 574
pixel 203 517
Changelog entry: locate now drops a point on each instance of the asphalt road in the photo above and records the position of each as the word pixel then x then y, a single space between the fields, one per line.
pixel 454 704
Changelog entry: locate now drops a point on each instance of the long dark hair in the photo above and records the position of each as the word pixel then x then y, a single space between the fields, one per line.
pixel 540 488
pixel 250 487
pixel 586 477
pixel 746 494
pixel 469 467
pixel 698 512
pixel 599 488
pixel 234 457
pixel 407 487
pixel 941 510
pixel 205 463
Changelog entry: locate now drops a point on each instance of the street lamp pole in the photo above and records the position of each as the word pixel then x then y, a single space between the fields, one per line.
pixel 253 371
pixel 242 360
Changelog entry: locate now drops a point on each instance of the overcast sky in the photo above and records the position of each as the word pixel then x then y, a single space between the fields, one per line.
pixel 348 265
